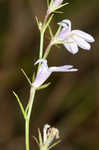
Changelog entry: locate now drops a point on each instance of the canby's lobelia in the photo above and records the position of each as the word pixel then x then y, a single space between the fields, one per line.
pixel 72 40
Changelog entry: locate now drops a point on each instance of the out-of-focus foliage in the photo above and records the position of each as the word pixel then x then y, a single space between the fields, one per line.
pixel 71 101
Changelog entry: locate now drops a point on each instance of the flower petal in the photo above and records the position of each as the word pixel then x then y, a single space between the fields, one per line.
pixel 44 65
pixel 42 74
pixel 41 60
pixel 63 34
pixel 71 46
pixel 41 77
pixel 66 23
pixel 65 68
pixel 46 127
pixel 84 35
pixel 82 43
pixel 56 3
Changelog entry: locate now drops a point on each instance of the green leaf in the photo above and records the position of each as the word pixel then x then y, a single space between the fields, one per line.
pixel 50 31
pixel 44 86
pixel 54 144
pixel 27 107
pixel 51 3
pixel 48 22
pixel 26 77
pixel 58 31
pixel 58 12
pixel 60 6
pixel 40 137
pixel 38 23
pixel 20 104
pixel 33 77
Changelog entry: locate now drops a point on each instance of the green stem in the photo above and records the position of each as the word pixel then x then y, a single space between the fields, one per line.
pixel 27 134
pixel 46 17
pixel 41 45
pixel 31 100
pixel 27 120
pixel 47 50
pixel 44 26
pixel 33 90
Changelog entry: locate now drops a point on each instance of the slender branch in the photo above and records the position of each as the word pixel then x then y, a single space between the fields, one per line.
pixel 47 50
pixel 43 29
pixel 46 17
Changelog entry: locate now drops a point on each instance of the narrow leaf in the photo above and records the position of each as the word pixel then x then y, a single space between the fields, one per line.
pixel 54 144
pixel 26 77
pixel 20 104
pixel 37 21
pixel 33 77
pixel 40 137
pixel 60 6
pixel 50 31
pixel 27 107
pixel 58 31
pixel 48 22
pixel 58 12
pixel 51 3
pixel 43 86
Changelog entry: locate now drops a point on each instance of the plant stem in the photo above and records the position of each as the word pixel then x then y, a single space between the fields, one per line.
pixel 42 35
pixel 27 120
pixel 33 90
pixel 41 45
pixel 27 134
pixel 47 50
pixel 46 17
pixel 31 100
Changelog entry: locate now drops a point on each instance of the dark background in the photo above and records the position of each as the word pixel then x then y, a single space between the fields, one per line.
pixel 71 102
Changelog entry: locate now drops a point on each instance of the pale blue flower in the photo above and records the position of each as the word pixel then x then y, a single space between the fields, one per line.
pixel 74 38
pixel 45 71
pixel 56 3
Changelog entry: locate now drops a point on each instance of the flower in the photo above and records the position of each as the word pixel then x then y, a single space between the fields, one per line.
pixel 45 136
pixel 56 3
pixel 74 38
pixel 49 134
pixel 45 71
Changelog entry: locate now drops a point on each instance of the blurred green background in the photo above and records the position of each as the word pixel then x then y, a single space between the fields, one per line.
pixel 71 102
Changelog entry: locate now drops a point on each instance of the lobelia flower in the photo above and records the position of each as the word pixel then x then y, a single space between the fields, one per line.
pixel 45 71
pixel 74 38
pixel 49 134
pixel 54 5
